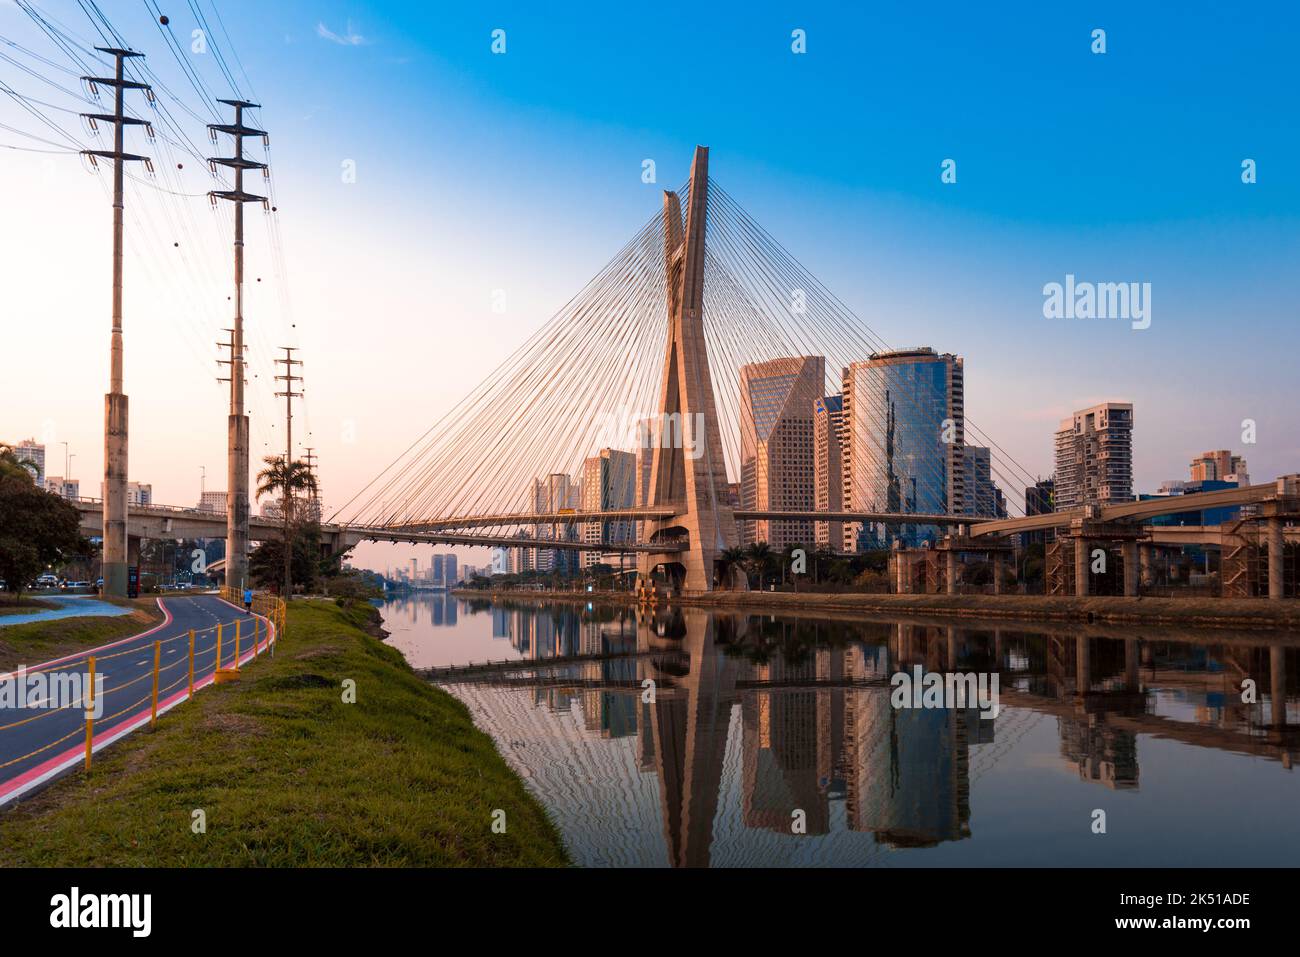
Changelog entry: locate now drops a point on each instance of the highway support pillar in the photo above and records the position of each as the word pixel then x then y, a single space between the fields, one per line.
pixel 950 568
pixel 1146 556
pixel 1277 684
pixel 999 570
pixel 1130 552
pixel 1276 581
pixel 1081 552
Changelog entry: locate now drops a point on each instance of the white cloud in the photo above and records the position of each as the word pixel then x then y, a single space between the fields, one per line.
pixel 347 38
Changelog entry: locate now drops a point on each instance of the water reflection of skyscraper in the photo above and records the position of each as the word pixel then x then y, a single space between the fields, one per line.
pixel 811 729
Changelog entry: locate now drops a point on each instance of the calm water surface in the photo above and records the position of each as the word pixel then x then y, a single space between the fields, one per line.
pixel 758 721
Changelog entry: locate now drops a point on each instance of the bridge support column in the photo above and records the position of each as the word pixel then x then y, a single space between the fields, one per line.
pixel 1277 684
pixel 1146 554
pixel 950 567
pixel 1082 665
pixel 1276 582
pixel 1081 549
pixel 1130 551
pixel 999 569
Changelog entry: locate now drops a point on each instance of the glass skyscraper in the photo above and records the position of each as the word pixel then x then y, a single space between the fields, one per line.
pixel 904 436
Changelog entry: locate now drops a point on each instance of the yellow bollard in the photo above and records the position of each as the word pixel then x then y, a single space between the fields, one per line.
pixel 218 665
pixel 191 662
pixel 157 656
pixel 90 709
pixel 237 624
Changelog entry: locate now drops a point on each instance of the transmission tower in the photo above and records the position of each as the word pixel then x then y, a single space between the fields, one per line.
pixel 237 504
pixel 115 567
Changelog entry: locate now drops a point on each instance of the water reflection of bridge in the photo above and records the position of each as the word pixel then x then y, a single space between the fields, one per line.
pixel 815 726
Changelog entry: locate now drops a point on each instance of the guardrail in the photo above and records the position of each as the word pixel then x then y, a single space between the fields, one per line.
pixel 221 638
pixel 268 606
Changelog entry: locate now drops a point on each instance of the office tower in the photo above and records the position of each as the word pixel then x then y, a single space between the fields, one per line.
pixel 1220 466
pixel 212 502
pixel 1038 501
pixel 904 433
pixel 141 493
pixel 828 469
pixel 776 445
pixel 608 482
pixel 1094 456
pixel 984 499
pixel 63 487
pixel 29 450
pixel 556 493
pixel 645 454
pixel 450 573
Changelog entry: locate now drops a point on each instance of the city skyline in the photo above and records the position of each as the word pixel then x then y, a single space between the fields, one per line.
pixel 950 265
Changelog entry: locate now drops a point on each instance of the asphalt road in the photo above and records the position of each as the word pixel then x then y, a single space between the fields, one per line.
pixel 39 744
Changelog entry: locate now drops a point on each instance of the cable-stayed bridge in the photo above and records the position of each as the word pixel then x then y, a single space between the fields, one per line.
pixel 651 355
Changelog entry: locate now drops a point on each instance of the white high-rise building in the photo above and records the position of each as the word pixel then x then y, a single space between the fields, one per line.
pixel 29 450
pixel 1094 456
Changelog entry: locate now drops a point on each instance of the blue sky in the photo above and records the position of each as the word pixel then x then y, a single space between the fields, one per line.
pixel 522 171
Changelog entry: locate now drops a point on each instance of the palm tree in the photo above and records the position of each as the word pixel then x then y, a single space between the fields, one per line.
pixel 11 464
pixel 760 559
pixel 729 559
pixel 288 480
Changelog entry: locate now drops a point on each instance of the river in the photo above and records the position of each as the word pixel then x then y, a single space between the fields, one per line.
pixel 697 739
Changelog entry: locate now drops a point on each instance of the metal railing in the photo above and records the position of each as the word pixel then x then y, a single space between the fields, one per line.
pixel 221 639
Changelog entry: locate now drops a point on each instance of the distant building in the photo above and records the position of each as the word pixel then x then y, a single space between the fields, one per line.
pixel 1171 487
pixel 1039 501
pixel 212 502
pixel 1094 456
pixel 984 498
pixel 137 493
pixel 903 438
pixel 1220 466
pixel 63 487
pixel 776 443
pixel 556 493
pixel 29 450
pixel 828 469
pixel 1205 516
pixel 608 482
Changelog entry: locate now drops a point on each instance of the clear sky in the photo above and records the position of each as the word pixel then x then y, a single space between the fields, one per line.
pixel 522 172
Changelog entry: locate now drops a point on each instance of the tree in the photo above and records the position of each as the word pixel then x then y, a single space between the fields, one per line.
pixel 760 560
pixel 11 464
pixel 731 558
pixel 36 528
pixel 266 563
pixel 289 480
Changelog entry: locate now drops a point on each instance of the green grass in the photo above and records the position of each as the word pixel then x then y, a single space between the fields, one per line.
pixel 289 775
pixel 37 641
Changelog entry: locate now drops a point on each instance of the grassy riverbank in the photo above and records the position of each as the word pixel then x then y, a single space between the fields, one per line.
pixel 289 775
pixel 1181 612
pixel 37 641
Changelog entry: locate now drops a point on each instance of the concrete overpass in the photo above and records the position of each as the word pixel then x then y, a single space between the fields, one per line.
pixel 171 521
